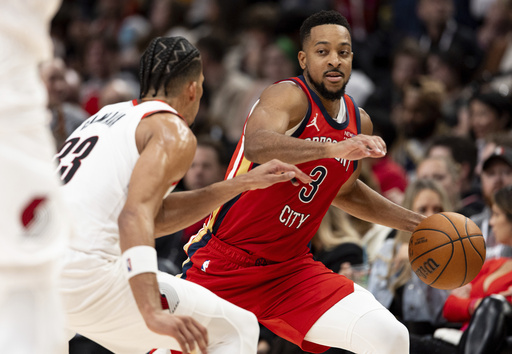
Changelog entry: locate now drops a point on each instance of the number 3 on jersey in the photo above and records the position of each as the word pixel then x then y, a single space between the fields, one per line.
pixel 307 193
pixel 67 171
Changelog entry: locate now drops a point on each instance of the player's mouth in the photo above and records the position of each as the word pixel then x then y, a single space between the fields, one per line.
pixel 334 76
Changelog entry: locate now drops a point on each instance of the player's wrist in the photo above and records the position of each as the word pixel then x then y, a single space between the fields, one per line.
pixel 138 260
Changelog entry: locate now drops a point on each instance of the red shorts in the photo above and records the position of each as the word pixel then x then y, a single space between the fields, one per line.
pixel 287 297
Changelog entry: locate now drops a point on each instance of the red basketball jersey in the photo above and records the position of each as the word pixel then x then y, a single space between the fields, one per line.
pixel 277 223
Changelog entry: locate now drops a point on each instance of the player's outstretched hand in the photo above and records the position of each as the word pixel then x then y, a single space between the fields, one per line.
pixel 188 332
pixel 359 147
pixel 272 172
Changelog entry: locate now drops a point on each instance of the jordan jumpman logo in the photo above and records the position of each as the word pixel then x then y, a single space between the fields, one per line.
pixel 313 123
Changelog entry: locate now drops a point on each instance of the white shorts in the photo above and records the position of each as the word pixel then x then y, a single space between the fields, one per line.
pixel 33 231
pixel 100 306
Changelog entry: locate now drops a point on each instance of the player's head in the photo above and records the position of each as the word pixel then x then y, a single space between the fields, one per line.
pixel 170 67
pixel 326 55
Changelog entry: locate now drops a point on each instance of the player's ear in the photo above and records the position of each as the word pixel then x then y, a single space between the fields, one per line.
pixel 302 59
pixel 192 90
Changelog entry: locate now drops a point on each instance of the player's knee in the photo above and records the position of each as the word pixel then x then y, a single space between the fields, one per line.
pixel 388 335
pixel 242 332
pixel 392 337
pixel 397 337
pixel 248 327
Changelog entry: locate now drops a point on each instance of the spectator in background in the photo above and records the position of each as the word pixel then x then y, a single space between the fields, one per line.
pixel 444 66
pixel 418 119
pixel 441 33
pixel 496 174
pixel 66 117
pixel 392 281
pixel 491 141
pixel 116 90
pixel 489 112
pixel 496 32
pixel 407 66
pixel 446 172
pixel 225 89
pixel 463 151
pixel 100 64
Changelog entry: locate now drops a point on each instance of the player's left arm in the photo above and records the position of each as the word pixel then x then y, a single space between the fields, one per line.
pixel 359 200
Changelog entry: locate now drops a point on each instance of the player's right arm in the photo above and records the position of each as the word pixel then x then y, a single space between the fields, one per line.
pixel 182 209
pixel 166 146
pixel 281 107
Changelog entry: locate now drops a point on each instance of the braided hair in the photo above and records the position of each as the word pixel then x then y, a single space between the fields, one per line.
pixel 167 63
pixel 330 17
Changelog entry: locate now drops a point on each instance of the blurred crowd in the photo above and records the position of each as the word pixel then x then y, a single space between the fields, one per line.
pixel 435 76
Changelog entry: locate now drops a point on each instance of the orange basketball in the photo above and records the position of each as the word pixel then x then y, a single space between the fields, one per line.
pixel 446 250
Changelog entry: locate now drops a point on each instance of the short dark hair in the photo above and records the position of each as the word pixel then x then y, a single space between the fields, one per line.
pixel 206 141
pixel 330 17
pixel 462 149
pixel 168 63
pixel 500 104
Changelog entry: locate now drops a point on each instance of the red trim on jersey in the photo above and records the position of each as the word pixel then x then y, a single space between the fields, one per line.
pixel 135 102
pixel 161 110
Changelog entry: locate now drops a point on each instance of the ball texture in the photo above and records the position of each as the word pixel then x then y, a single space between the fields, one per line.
pixel 446 250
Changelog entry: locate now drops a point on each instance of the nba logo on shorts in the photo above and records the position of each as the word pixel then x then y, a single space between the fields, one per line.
pixel 205 265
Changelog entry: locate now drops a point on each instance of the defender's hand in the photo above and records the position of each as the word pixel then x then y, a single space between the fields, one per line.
pixel 187 331
pixel 272 172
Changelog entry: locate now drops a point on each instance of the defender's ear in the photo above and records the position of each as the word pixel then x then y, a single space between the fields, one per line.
pixel 192 90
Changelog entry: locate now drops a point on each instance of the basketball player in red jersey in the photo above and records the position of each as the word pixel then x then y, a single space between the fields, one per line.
pixel 254 251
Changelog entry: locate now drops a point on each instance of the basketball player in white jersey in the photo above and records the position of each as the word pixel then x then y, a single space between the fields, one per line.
pixel 118 168
pixel 33 226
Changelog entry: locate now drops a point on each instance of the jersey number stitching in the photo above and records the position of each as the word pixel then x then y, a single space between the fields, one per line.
pixel 318 175
pixel 82 151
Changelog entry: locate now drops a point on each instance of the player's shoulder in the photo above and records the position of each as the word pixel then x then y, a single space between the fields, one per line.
pixel 284 89
pixel 166 128
pixel 286 96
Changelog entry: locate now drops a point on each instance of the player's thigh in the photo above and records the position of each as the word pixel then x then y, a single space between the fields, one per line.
pixel 190 299
pixel 359 323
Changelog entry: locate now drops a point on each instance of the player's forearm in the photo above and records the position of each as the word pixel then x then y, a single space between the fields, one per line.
pixel 265 145
pixel 136 229
pixel 147 296
pixel 182 209
pixel 366 204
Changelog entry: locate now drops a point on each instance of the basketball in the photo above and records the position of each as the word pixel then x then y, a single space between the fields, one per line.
pixel 446 250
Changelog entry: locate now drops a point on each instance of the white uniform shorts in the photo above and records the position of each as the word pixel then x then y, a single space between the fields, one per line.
pixel 100 306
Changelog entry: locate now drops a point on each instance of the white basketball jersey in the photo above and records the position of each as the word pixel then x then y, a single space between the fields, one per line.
pixel 96 163
pixel 24 43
